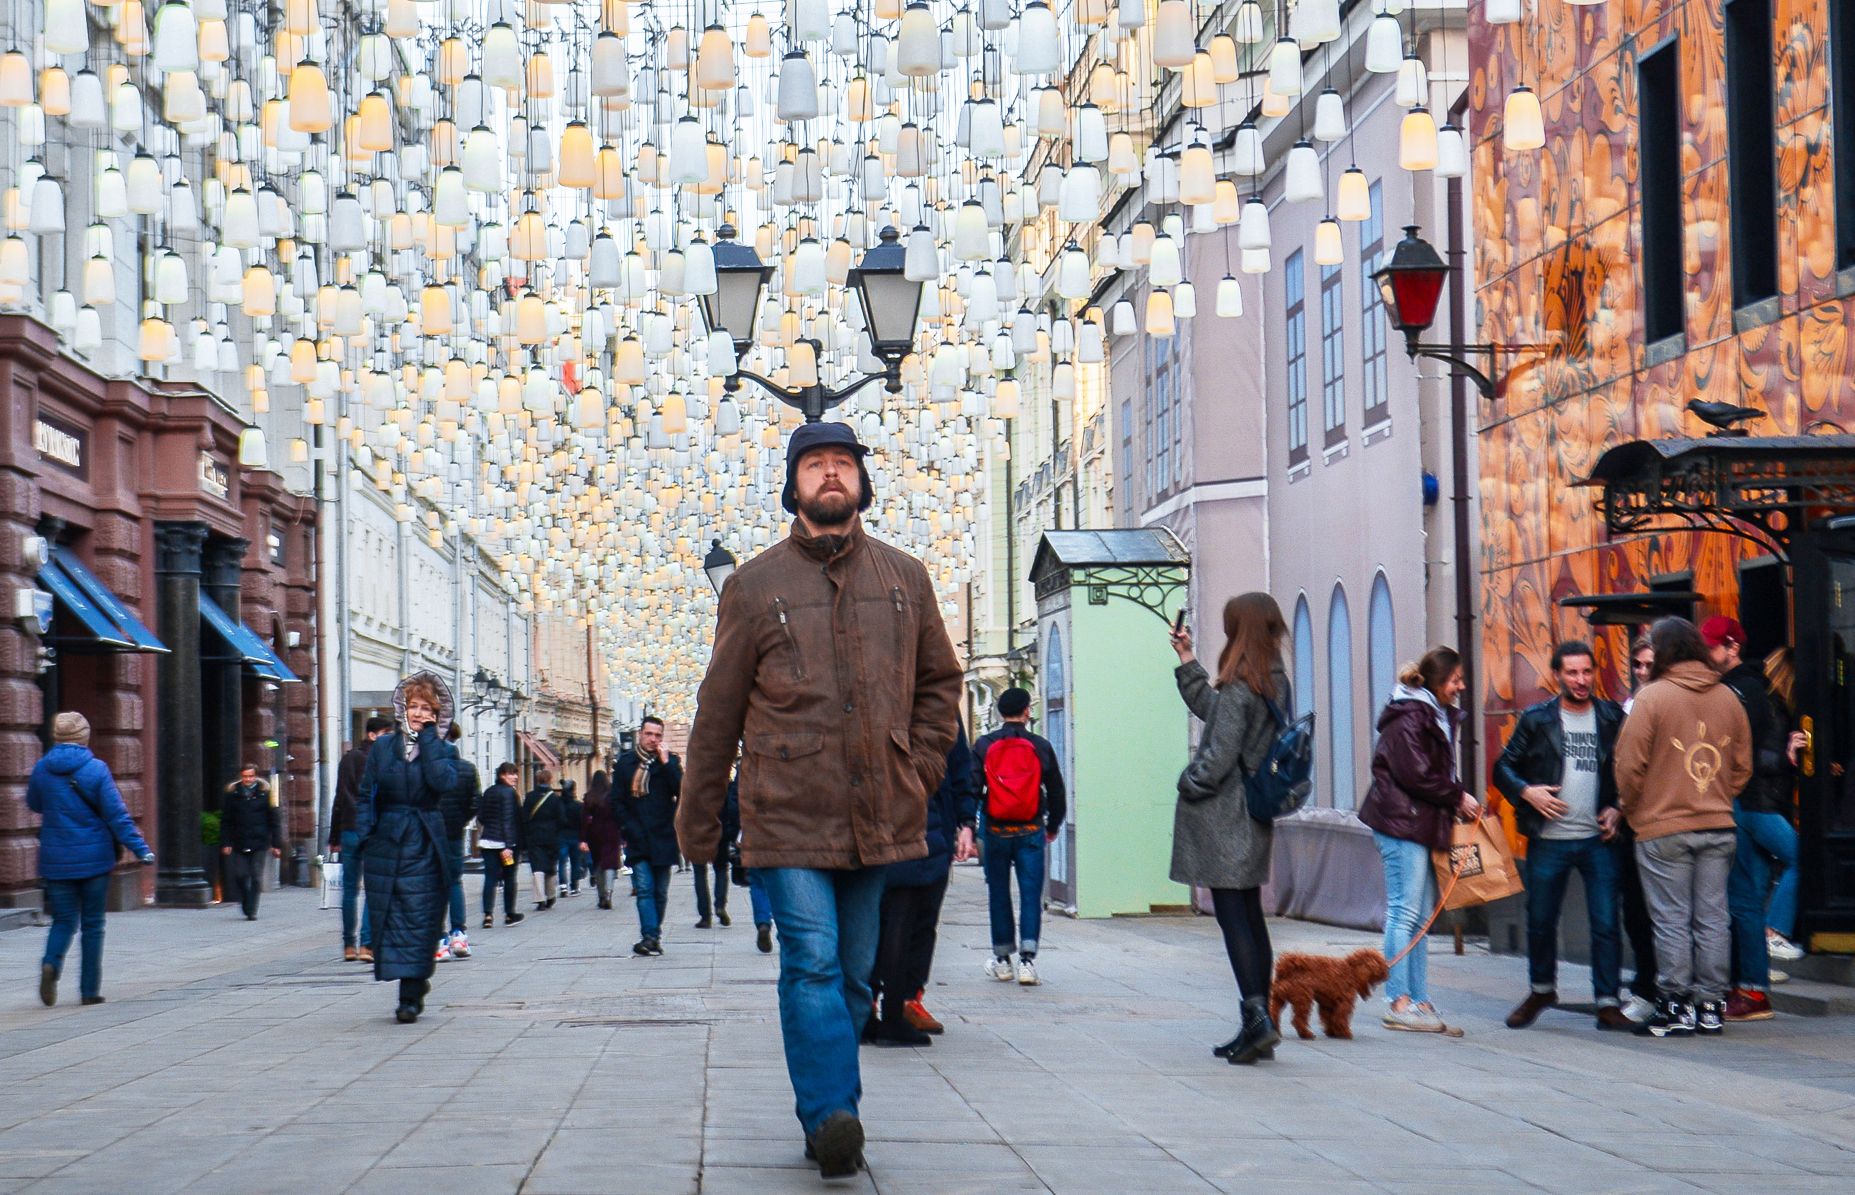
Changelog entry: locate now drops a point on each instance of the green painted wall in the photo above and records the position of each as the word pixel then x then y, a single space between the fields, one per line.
pixel 1128 743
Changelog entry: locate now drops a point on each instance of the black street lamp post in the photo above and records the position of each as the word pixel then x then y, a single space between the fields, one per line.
pixel 1411 284
pixel 718 565
pixel 890 302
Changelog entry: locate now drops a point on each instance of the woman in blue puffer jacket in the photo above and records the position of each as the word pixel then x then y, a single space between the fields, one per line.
pixel 83 822
pixel 404 860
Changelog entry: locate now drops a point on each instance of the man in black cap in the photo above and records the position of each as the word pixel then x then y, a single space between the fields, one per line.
pixel 833 671
pixel 1022 799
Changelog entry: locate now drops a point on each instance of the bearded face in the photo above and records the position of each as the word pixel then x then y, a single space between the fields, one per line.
pixel 829 487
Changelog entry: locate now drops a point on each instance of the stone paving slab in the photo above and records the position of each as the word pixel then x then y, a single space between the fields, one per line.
pixel 245 1057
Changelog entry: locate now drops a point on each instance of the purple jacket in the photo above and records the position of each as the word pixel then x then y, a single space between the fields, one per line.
pixel 1415 792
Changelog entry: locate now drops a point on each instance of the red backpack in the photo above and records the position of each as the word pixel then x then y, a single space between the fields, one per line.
pixel 1013 780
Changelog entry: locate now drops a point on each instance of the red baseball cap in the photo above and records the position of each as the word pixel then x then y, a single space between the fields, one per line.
pixel 1720 630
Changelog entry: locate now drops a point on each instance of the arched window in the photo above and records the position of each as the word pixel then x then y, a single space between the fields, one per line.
pixel 1382 652
pixel 1304 658
pixel 1340 699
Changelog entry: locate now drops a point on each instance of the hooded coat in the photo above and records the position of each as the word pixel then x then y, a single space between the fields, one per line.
pixel 84 819
pixel 1684 752
pixel 399 817
pixel 1215 841
pixel 1415 792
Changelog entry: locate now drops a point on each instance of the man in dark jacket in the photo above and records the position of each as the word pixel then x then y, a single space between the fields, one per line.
pixel 248 828
pixel 542 826
pixel 911 908
pixel 832 665
pixel 344 843
pixel 1761 817
pixel 647 783
pixel 1023 800
pixel 499 838
pixel 1557 772
pixel 457 807
pixel 707 912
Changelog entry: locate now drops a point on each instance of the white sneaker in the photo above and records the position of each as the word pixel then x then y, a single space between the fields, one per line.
pixel 1638 1010
pixel 1413 1019
pixel 1000 969
pixel 460 945
pixel 1027 973
pixel 1777 976
pixel 1782 948
pixel 444 951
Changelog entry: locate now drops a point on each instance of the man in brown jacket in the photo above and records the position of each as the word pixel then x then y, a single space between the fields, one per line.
pixel 1682 754
pixel 832 669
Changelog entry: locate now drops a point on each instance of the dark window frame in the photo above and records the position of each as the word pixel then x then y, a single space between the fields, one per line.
pixel 1374 361
pixel 1333 355
pixel 1751 150
pixel 1658 133
pixel 1294 327
pixel 1842 127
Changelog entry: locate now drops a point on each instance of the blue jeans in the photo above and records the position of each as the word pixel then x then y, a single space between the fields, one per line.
pixel 1410 894
pixel 351 891
pixel 650 883
pixel 81 901
pixel 1550 863
pixel 1025 852
pixel 569 866
pixel 1763 838
pixel 756 896
pixel 829 922
pixel 455 848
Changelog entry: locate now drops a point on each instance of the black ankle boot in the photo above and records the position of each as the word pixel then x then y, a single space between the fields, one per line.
pixel 1258 1038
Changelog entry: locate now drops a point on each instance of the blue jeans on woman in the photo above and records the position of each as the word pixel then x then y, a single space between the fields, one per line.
pixel 1410 894
pixel 74 903
pixel 829 922
pixel 650 883
pixel 1763 839
pixel 351 891
pixel 1025 853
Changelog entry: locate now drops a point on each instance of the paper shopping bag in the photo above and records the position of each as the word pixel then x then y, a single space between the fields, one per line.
pixel 1481 862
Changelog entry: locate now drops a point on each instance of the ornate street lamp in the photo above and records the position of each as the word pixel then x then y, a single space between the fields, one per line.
pixel 1411 284
pixel 890 301
pixel 719 565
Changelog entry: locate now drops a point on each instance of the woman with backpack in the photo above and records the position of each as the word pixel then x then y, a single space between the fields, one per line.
pixel 1216 844
pixel 1415 798
pixel 84 822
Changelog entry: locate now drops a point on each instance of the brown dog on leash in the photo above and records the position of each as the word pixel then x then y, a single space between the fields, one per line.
pixel 1335 984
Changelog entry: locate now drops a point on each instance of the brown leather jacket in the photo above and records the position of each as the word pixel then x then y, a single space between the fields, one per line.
pixel 832 668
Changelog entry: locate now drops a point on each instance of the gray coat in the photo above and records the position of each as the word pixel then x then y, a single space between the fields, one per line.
pixel 1215 841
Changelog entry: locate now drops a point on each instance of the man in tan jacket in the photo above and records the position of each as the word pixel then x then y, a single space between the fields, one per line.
pixel 833 670
pixel 1682 754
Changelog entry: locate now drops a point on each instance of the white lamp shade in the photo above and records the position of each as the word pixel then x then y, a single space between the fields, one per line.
pixel 1229 297
pixel 1329 116
pixel 1039 43
pixel 1301 180
pixel 1523 127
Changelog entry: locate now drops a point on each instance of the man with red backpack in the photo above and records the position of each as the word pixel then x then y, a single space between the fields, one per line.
pixel 1021 802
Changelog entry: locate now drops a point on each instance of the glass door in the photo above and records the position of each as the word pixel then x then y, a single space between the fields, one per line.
pixel 1825 660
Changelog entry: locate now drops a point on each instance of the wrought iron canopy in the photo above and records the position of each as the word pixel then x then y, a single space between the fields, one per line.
pixel 1767 489
pixel 1146 566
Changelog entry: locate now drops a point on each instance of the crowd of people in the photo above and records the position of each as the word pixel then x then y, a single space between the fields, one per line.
pixel 828 772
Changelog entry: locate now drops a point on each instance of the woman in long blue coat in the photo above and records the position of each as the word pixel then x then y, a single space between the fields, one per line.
pixel 404 860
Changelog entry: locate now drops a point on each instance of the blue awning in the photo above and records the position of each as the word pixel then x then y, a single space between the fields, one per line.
pixel 105 619
pixel 244 644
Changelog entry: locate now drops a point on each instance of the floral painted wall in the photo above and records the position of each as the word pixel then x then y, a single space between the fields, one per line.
pixel 1557 235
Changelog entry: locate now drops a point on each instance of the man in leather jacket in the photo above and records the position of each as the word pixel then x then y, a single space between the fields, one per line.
pixel 1557 772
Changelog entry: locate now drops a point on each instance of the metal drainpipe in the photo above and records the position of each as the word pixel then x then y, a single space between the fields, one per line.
pixel 1459 480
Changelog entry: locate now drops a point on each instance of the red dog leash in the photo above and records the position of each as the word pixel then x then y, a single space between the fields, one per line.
pixel 1441 902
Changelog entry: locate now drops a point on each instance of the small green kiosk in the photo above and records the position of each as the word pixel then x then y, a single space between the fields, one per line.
pixel 1104 601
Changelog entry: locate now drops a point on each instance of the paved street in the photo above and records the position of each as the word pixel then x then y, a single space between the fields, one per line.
pixel 246 1058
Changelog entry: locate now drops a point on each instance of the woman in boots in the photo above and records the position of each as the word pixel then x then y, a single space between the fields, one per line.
pixel 402 835
pixel 1215 841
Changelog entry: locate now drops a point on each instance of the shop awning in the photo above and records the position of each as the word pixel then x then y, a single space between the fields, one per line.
pixel 107 623
pixel 540 750
pixel 244 645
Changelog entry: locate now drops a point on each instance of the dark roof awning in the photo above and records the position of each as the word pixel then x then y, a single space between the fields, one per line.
pixel 544 754
pixel 1631 609
pixel 106 623
pixel 1145 565
pixel 1764 488
pixel 243 644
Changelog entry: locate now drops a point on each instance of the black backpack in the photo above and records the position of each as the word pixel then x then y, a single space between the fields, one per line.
pixel 1283 781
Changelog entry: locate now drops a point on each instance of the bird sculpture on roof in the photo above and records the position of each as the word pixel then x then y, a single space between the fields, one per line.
pixel 1723 417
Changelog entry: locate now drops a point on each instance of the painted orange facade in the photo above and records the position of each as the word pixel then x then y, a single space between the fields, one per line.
pixel 1557 234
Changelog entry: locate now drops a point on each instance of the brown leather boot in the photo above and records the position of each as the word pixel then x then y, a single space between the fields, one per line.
pixel 1529 1009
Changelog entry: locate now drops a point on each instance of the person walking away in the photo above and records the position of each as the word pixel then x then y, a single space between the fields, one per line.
pixel 599 836
pixel 1557 772
pixel 1781 913
pixel 911 899
pixel 1216 844
pixel 1637 928
pixel 1022 802
pixel 345 844
pixel 401 825
pixel 832 665
pixel 1763 834
pixel 708 913
pixel 248 834
pixel 648 779
pixel 457 808
pixel 756 890
pixel 541 833
pixel 83 823
pixel 572 815
pixel 1682 754
pixel 499 841
pixel 1415 796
